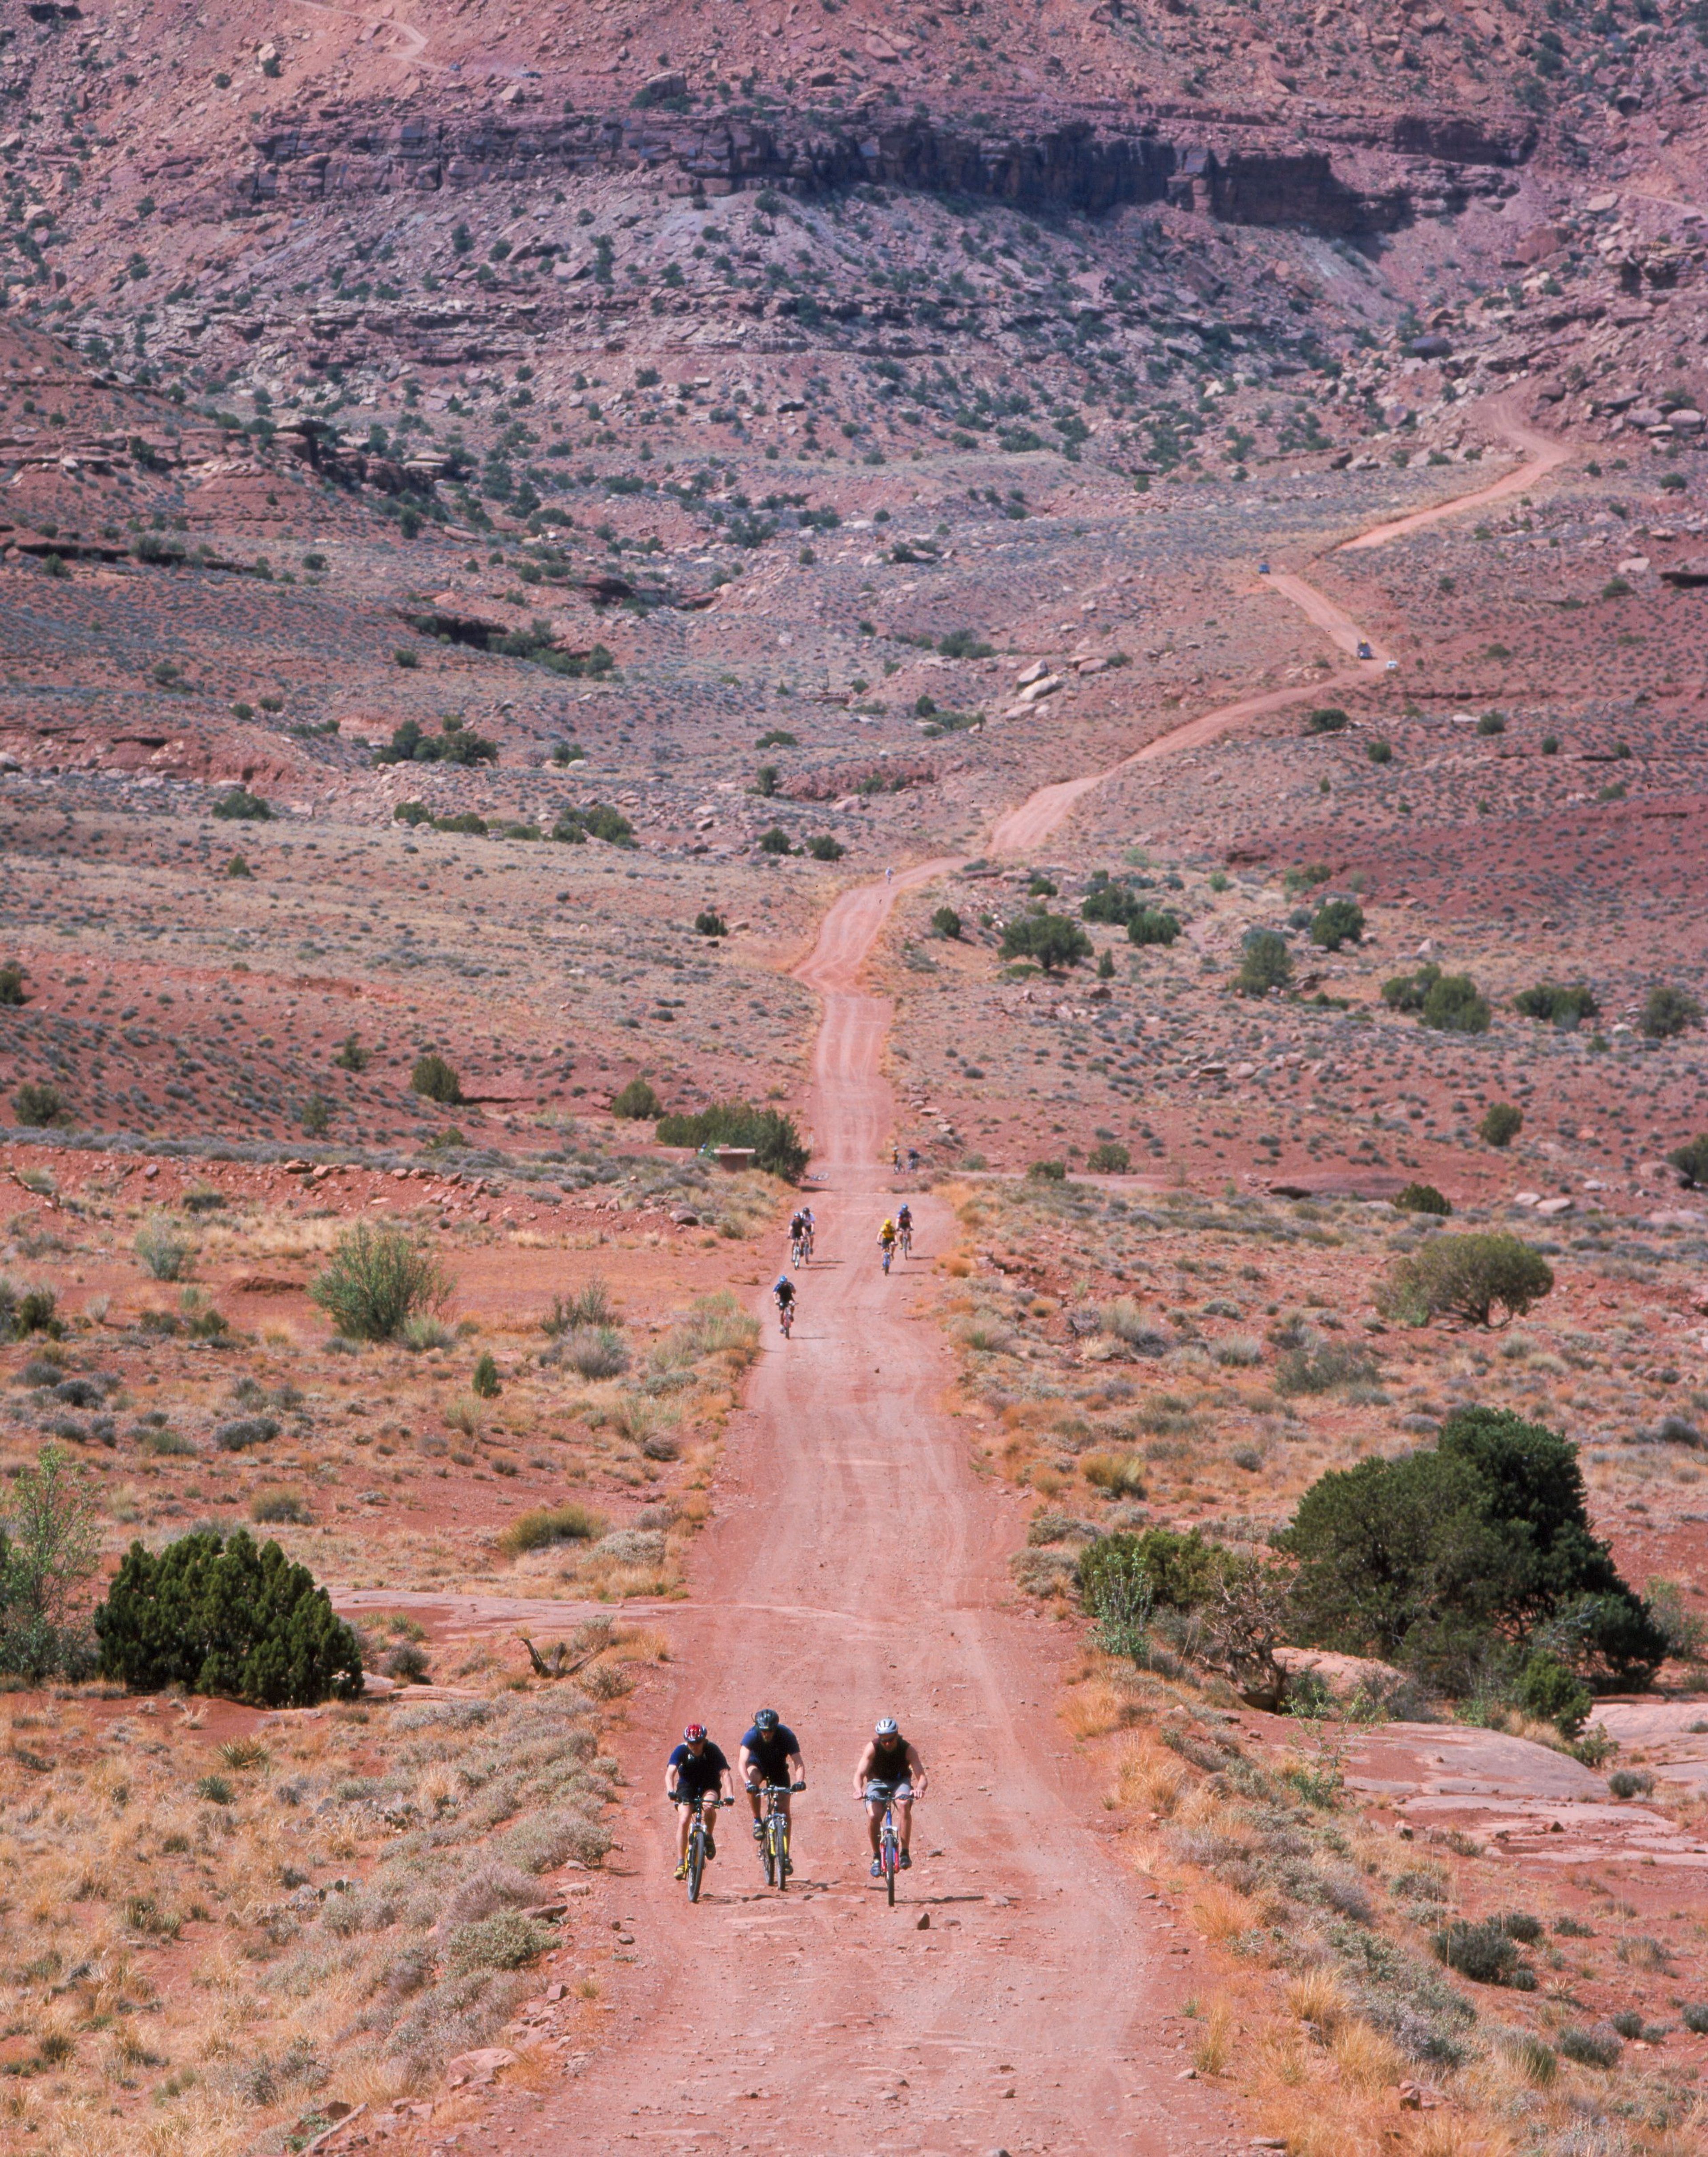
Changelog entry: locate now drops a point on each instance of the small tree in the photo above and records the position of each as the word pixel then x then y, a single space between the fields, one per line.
pixel 637 1103
pixel 241 806
pixel 1265 964
pixel 436 1080
pixel 485 1381
pixel 1563 1006
pixel 708 923
pixel 1327 719
pixel 1422 1198
pixel 352 1056
pixel 824 848
pixel 1465 1277
pixel 1501 1123
pixel 946 923
pixel 1337 921
pixel 1110 1157
pixel 1152 925
pixel 46 1561
pixel 376 1281
pixel 1669 1011
pixel 1049 940
pixel 12 983
pixel 1691 1161
pixel 226 1618
pixel 775 841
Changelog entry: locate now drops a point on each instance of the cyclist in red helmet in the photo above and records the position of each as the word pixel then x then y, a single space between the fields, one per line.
pixel 697 1770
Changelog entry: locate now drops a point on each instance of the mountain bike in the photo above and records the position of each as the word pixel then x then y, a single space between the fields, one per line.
pixel 699 1834
pixel 889 1252
pixel 785 1317
pixel 773 1843
pixel 906 1241
pixel 797 1251
pixel 807 1248
pixel 889 1849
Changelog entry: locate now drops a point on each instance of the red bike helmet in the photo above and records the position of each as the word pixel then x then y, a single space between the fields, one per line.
pixel 695 1734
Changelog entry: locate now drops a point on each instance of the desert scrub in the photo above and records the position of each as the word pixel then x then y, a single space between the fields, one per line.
pixel 376 1281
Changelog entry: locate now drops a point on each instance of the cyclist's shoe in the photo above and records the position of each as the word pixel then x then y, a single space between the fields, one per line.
pixel 877 1868
pixel 904 1862
pixel 758 1831
pixel 681 1871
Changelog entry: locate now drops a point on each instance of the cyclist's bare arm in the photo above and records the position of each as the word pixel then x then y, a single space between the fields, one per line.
pixel 916 1770
pixel 749 1774
pixel 797 1770
pixel 862 1774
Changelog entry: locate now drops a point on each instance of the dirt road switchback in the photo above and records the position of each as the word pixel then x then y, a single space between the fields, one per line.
pixel 1040 2009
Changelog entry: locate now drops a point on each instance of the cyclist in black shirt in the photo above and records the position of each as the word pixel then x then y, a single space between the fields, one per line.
pixel 770 1753
pixel 697 1769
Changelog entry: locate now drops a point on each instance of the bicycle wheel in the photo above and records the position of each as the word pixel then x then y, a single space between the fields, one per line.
pixel 767 1854
pixel 696 1860
pixel 782 1853
pixel 889 1863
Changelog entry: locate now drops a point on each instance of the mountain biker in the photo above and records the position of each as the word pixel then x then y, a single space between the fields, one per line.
pixel 697 1769
pixel 890 1772
pixel 783 1295
pixel 886 1241
pixel 811 1228
pixel 904 1225
pixel 797 1235
pixel 770 1753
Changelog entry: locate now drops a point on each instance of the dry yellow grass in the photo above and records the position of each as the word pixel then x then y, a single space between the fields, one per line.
pixel 1366 2059
pixel 1222 1913
pixel 1315 1996
pixel 1149 1778
pixel 1094 1708
pixel 1213 2045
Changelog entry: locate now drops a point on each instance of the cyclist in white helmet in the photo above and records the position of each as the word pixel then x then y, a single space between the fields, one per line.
pixel 890 1772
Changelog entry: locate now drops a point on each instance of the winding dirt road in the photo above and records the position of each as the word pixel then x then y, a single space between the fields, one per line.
pixel 858 1566
pixel 1024 829
pixel 1033 2012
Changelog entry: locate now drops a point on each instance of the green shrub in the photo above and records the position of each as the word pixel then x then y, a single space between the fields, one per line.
pixel 241 806
pixel 637 1103
pixel 436 1080
pixel 1501 1123
pixel 1327 719
pixel 1563 1006
pixel 591 1305
pixel 49 1551
pixel 775 841
pixel 31 1311
pixel 1046 1172
pixel 1668 1011
pixel 946 923
pixel 279 1508
pixel 1405 992
pixel 1546 1689
pixel 1108 1157
pixel 215 1790
pixel 1422 1198
pixel 1455 1004
pixel 708 923
pixel 11 983
pixel 238 868
pixel 376 1281
pixel 1691 1160
pixel 228 1617
pixel 1180 1572
pixel 1048 939
pixel 1480 1952
pixel 166 1254
pixel 1444 1558
pixel 39 1107
pixel 546 1524
pixel 484 1382
pixel 1336 922
pixel 1265 964
pixel 1323 1368
pixel 1379 749
pixel 1630 1783
pixel 599 821
pixel 1695 2018
pixel 824 848
pixel 1598 2047
pixel 1111 902
pixel 1491 723
pixel 454 743
pixel 776 1144
pixel 1465 1277
pixel 1152 925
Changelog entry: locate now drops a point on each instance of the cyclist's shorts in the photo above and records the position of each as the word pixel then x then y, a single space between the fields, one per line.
pixel 882 1793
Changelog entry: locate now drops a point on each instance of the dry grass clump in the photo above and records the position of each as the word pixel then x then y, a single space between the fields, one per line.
pixel 193 1976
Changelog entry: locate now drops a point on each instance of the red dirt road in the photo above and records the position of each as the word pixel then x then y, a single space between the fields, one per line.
pixel 1031 2014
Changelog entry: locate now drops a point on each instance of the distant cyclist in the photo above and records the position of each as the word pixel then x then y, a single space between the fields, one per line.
pixel 811 1230
pixel 890 1774
pixel 797 1238
pixel 770 1755
pixel 886 1241
pixel 783 1295
pixel 904 1229
pixel 697 1770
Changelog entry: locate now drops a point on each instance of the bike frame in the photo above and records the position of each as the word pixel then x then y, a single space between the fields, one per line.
pixel 696 1840
pixel 889 1850
pixel 774 1844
